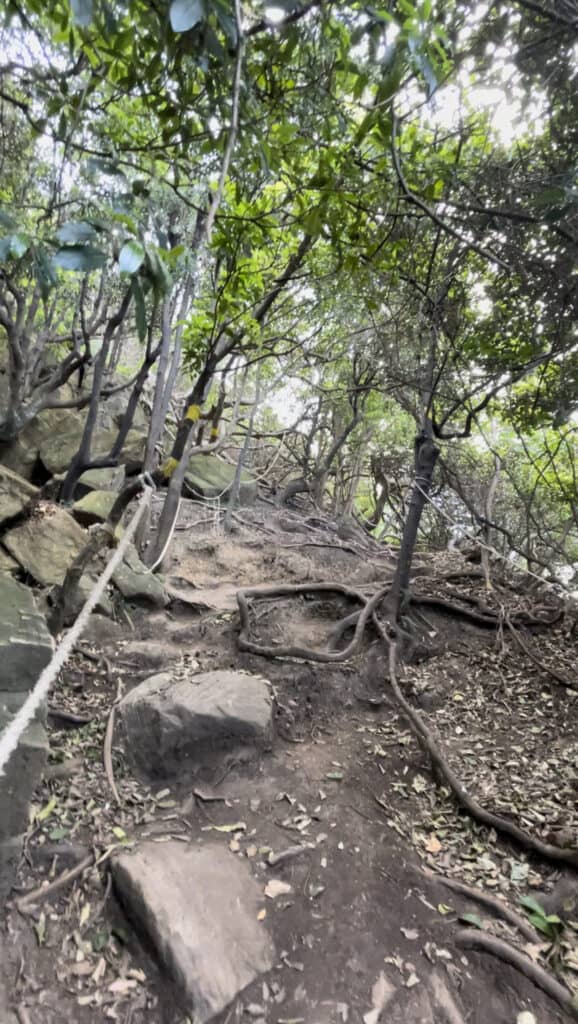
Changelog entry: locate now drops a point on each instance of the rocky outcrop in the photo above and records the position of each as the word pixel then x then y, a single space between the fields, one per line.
pixel 15 493
pixel 210 942
pixel 94 507
pixel 25 649
pixel 25 643
pixel 46 544
pixel 7 563
pixel 108 479
pixel 210 477
pixel 171 722
pixel 137 583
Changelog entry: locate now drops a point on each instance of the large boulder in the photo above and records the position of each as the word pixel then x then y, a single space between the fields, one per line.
pixel 7 563
pixel 15 493
pixel 110 478
pixel 60 433
pixel 53 438
pixel 25 649
pixel 137 583
pixel 170 721
pixel 209 477
pixel 25 643
pixel 46 544
pixel 24 767
pixel 94 507
pixel 210 942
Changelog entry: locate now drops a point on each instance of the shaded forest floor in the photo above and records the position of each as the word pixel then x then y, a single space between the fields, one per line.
pixel 365 927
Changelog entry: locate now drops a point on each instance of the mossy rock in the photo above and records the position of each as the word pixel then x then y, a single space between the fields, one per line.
pixel 94 507
pixel 210 477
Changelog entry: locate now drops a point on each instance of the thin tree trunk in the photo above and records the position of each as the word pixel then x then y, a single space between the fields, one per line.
pixel 82 458
pixel 426 455
pixel 236 487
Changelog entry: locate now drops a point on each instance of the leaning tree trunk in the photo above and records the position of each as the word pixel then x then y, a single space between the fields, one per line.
pixel 426 455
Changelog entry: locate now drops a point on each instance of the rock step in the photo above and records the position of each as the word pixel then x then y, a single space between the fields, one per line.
pixel 171 721
pixel 197 907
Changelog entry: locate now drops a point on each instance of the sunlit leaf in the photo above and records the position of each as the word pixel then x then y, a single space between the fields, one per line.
pixel 80 258
pixel 131 257
pixel 82 12
pixel 185 14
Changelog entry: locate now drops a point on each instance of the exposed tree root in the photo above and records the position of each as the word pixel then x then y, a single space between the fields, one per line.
pixel 472 938
pixel 494 904
pixel 421 730
pixel 547 669
pixel 36 895
pixel 474 809
pixel 295 651
pixel 484 616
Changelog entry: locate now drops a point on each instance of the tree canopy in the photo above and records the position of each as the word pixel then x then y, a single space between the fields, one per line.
pixel 374 208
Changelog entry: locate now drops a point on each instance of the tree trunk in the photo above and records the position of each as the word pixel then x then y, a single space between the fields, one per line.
pixel 236 487
pixel 426 455
pixel 82 458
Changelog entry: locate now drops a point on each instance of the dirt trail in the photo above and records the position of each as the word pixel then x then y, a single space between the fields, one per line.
pixel 364 928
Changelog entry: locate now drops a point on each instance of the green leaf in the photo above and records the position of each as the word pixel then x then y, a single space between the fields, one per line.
pixel 550 197
pixel 131 257
pixel 474 919
pixel 185 14
pixel 14 246
pixel 531 904
pixel 80 258
pixel 75 232
pixel 7 220
pixel 45 273
pixel 140 309
pixel 82 12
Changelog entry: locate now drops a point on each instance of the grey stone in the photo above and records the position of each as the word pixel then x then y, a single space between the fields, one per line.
pixel 209 939
pixel 101 630
pixel 15 493
pixel 10 853
pixel 25 643
pixel 136 583
pixel 210 477
pixel 23 769
pixel 168 722
pixel 94 507
pixel 59 433
pixel 7 563
pixel 47 544
pixel 108 479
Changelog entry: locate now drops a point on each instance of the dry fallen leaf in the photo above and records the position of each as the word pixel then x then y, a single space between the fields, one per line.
pixel 433 844
pixel 276 888
pixel 381 993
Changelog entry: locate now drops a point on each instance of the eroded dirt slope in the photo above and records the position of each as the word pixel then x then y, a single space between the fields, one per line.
pixel 368 929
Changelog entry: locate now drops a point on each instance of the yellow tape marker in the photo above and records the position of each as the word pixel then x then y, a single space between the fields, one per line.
pixel 169 467
pixel 193 413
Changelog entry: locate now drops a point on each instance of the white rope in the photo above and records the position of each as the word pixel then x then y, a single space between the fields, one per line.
pixel 22 719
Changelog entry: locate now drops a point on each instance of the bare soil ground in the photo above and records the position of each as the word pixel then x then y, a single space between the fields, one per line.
pixel 365 928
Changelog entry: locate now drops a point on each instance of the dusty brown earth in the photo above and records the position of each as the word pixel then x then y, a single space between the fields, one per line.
pixel 366 930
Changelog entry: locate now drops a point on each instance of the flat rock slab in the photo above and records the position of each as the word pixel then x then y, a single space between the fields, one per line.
pixel 208 476
pixel 25 643
pixel 169 722
pixel 46 544
pixel 198 908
